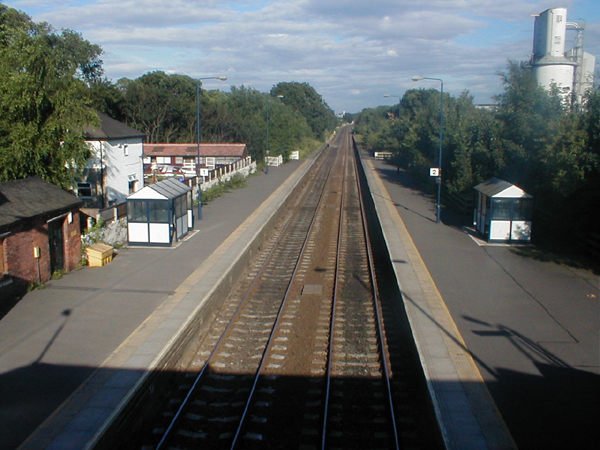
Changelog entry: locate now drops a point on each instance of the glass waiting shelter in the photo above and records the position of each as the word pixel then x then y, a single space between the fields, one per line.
pixel 159 214
pixel 503 211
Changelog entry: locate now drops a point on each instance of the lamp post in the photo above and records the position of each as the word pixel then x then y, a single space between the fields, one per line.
pixel 268 123
pixel 222 78
pixel 438 178
pixel 399 97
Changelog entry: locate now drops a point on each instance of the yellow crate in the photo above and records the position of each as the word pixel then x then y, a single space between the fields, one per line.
pixel 99 254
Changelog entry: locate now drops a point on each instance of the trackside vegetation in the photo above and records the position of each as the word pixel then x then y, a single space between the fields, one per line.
pixel 52 85
pixel 529 138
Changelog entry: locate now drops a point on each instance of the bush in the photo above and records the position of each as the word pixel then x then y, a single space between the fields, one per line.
pixel 235 182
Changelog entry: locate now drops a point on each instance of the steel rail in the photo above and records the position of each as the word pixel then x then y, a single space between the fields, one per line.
pixel 332 315
pixel 216 347
pixel 378 313
pixel 376 308
pixel 177 416
pixel 268 346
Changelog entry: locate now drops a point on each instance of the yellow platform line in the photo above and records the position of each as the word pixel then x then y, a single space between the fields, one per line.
pixel 425 299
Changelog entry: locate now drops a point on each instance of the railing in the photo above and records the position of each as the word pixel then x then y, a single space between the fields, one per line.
pixel 382 155
pixel 224 173
pixel 274 161
pixel 113 213
pixel 212 177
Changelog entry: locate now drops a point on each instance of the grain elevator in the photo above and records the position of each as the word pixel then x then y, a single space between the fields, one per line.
pixel 570 71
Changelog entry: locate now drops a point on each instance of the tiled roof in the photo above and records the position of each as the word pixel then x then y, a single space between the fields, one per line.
pixel 31 197
pixel 206 149
pixel 110 129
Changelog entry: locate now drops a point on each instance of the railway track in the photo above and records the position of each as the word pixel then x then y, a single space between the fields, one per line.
pixel 298 356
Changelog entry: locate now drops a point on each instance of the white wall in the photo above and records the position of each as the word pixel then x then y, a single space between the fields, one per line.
pixel 504 230
pixel 122 163
pixel 549 33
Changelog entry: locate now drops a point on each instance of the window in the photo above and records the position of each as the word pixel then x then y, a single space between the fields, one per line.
pixel 501 208
pixel 84 189
pixel 512 208
pixel 523 209
pixel 133 186
pixel 136 211
pixel 163 160
pixel 179 160
pixel 159 211
pixel 180 206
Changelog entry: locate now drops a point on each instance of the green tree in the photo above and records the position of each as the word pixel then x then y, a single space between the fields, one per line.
pixel 529 116
pixel 370 124
pixel 304 98
pixel 531 139
pixel 106 97
pixel 215 114
pixel 164 107
pixel 487 157
pixel 246 116
pixel 565 162
pixel 591 121
pixel 247 121
pixel 44 99
pixel 288 130
pixel 161 105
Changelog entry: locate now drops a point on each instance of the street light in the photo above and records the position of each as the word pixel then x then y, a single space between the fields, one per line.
pixel 268 122
pixel 222 78
pixel 438 178
pixel 399 97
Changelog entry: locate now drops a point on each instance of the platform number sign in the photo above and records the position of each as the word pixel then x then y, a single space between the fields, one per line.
pixel 434 172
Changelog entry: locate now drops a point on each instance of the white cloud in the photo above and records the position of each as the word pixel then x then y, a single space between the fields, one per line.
pixel 350 51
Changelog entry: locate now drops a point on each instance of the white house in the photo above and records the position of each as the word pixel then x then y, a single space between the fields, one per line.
pixel 115 169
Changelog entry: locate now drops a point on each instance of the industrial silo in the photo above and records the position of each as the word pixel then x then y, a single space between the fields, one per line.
pixel 550 65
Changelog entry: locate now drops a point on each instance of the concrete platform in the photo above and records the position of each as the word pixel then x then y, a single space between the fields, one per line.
pixel 468 416
pixel 71 354
pixel 494 320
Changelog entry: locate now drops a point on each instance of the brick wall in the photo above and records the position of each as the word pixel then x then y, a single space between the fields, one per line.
pixel 72 238
pixel 19 248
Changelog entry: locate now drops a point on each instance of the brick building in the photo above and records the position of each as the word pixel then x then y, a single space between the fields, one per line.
pixel 39 232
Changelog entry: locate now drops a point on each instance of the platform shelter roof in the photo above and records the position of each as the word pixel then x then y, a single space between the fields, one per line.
pixel 497 188
pixel 163 190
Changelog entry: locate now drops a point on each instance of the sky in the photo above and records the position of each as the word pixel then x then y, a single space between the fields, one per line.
pixel 353 52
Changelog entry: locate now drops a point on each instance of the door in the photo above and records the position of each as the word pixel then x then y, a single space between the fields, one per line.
pixel 57 246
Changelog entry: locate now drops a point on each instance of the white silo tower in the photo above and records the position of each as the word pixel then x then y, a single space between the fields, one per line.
pixel 550 65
